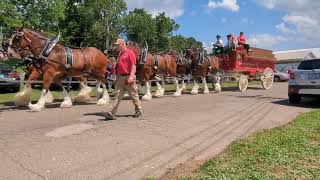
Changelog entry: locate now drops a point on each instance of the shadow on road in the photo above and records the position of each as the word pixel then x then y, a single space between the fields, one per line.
pixel 311 103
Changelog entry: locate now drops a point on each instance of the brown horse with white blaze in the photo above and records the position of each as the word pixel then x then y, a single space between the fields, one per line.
pixel 202 66
pixel 89 62
pixel 23 97
pixel 152 64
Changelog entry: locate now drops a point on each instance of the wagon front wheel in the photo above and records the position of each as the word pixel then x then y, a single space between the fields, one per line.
pixel 267 78
pixel 243 83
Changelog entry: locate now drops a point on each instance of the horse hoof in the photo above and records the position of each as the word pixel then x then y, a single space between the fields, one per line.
pixel 66 103
pixel 176 94
pixel 146 98
pixel 81 98
pixel 102 102
pixel 22 98
pixel 35 107
pixel 206 92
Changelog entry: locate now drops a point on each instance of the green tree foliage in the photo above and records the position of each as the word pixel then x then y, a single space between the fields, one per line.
pixel 140 27
pixel 165 27
pixel 96 23
pixel 180 43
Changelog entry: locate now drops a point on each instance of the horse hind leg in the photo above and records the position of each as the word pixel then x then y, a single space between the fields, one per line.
pixel 84 94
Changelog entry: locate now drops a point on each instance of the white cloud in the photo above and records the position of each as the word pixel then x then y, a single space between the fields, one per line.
pixel 265 40
pixel 225 4
pixel 173 8
pixel 301 18
pixel 284 29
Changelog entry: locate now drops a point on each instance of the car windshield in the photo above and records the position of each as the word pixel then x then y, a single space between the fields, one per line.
pixel 310 64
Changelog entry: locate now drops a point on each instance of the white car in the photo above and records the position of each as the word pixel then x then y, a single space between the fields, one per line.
pixel 304 81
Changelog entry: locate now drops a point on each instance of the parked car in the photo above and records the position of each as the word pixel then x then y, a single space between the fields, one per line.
pixel 7 73
pixel 53 86
pixel 304 81
pixel 280 76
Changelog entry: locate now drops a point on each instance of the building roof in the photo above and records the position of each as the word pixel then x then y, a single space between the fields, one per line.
pixel 296 55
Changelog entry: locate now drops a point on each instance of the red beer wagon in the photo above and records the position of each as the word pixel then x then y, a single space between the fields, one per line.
pixel 259 64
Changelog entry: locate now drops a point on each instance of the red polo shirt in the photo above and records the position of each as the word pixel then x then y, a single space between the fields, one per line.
pixel 242 39
pixel 126 60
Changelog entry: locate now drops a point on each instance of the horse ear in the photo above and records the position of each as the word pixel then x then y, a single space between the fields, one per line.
pixel 20 29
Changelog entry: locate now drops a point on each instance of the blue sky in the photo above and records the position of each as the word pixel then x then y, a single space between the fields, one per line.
pixel 272 24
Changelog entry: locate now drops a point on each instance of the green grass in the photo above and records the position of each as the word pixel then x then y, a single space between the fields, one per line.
pixel 288 152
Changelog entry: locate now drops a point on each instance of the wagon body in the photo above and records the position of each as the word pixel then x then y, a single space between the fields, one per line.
pixel 242 65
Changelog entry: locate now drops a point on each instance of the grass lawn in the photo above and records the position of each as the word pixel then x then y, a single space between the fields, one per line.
pixel 288 152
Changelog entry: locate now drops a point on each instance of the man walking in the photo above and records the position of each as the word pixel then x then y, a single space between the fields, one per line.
pixel 125 80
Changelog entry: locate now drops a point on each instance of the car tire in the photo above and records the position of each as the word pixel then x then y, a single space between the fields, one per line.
pixel 294 99
pixel 277 79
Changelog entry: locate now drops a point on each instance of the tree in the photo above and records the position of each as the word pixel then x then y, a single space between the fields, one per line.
pixel 140 27
pixel 10 17
pixel 165 27
pixel 93 22
pixel 180 43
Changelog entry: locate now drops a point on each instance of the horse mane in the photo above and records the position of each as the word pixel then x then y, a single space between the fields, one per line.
pixel 37 31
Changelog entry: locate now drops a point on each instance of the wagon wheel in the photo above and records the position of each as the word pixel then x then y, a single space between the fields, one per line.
pixel 267 78
pixel 243 83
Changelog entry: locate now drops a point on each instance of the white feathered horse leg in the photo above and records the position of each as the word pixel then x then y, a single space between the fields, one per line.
pixel 217 85
pixel 67 102
pixel 105 96
pixel 23 98
pixel 195 88
pixel 41 102
pixel 147 96
pixel 183 85
pixel 205 85
pixel 49 97
pixel 178 90
pixel 84 94
pixel 161 88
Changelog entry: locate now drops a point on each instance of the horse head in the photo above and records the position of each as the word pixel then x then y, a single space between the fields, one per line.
pixel 24 41
pixel 192 54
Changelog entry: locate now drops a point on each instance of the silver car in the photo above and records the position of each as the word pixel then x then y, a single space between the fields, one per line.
pixel 304 81
pixel 280 76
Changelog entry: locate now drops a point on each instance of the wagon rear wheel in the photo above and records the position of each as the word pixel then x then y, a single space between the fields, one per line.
pixel 243 83
pixel 267 78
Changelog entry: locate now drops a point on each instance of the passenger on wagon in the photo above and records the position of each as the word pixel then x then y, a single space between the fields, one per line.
pixel 242 41
pixel 231 45
pixel 218 46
